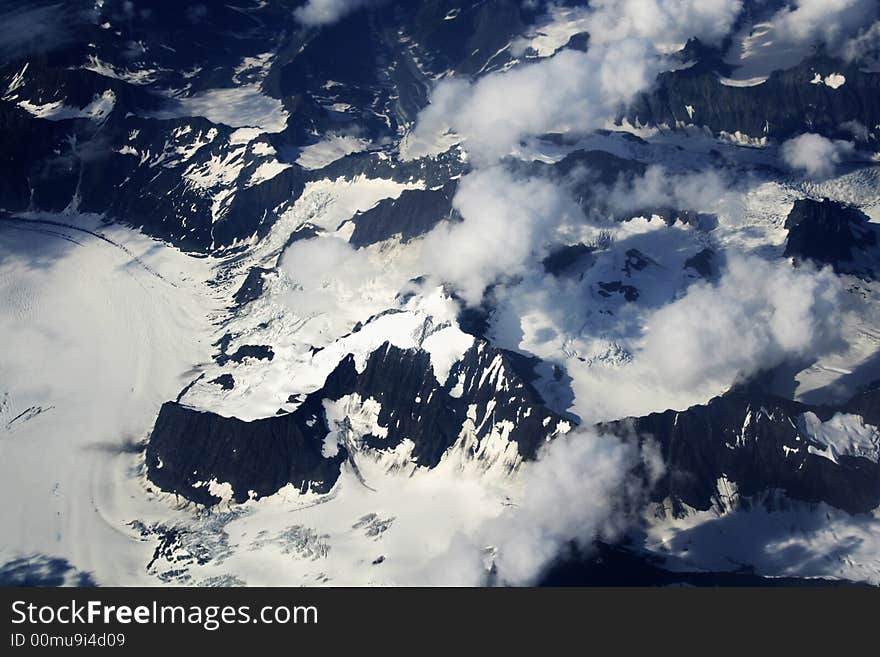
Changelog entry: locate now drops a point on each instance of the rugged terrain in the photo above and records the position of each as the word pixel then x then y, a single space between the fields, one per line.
pixel 493 292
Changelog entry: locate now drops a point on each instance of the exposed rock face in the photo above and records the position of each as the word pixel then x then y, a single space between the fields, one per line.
pixel 225 381
pixel 597 167
pixel 786 104
pixel 389 74
pixel 584 172
pixel 252 287
pixel 202 184
pixel 24 138
pixel 758 442
pixel 829 233
pixel 566 259
pixel 866 404
pixel 193 211
pixel 703 263
pixel 189 449
pixel 484 395
pixel 485 404
pixel 628 292
pixel 257 351
pixel 414 213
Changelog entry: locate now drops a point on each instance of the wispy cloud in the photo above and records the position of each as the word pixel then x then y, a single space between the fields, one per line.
pixel 814 155
pixel 508 223
pixel 758 315
pixel 834 23
pixel 582 487
pixel 325 12
pixel 571 91
pixel 33 28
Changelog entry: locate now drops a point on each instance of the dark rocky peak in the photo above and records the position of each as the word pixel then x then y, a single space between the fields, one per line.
pixel 188 449
pixel 487 399
pixel 637 261
pixel 475 320
pixel 759 442
pixel 147 173
pixel 787 104
pixel 829 233
pixel 610 288
pixel 568 260
pixel 26 140
pixel 412 214
pixel 465 37
pixel 225 381
pixel 866 404
pixel 703 263
pixel 40 82
pixel 394 51
pixel 433 171
pixel 252 287
pixel 586 173
pixel 595 166
pixel 488 386
pixel 698 58
pixel 583 167
pixel 138 179
pixel 579 41
pixel 195 46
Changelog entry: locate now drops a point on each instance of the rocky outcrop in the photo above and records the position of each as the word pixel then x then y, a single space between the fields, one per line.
pixel 189 449
pixel 788 103
pixel 252 286
pixel 393 53
pixel 414 213
pixel 703 263
pixel 567 259
pixel 830 233
pixel 758 442
pixel 484 396
pixel 486 404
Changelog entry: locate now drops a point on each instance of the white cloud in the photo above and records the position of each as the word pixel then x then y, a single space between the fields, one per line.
pixel 572 91
pixel 666 23
pixel 704 191
pixel 865 46
pixel 30 28
pixel 507 224
pixel 662 352
pixel 830 22
pixel 342 285
pixel 580 489
pixel 814 155
pixel 325 12
pixel 758 315
pixel 325 270
pixel 576 491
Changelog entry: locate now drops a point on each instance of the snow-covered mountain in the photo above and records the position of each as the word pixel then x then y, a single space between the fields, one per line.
pixel 439 293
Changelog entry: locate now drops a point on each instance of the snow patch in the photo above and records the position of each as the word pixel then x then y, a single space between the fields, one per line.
pixel 98 110
pixel 842 435
pixel 334 147
pixel 350 418
pixel 238 107
pixel 446 346
pixel 835 80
